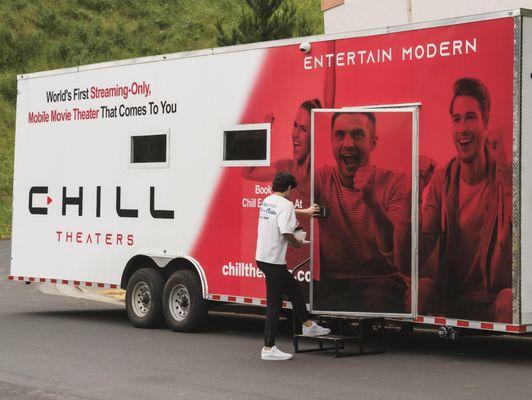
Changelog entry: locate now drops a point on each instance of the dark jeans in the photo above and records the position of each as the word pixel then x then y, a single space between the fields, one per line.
pixel 278 282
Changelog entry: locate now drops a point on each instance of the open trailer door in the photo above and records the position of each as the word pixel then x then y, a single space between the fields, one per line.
pixel 365 168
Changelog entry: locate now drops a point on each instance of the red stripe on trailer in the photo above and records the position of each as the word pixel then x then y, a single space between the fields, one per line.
pixel 243 300
pixel 63 282
pixel 516 328
pixel 474 324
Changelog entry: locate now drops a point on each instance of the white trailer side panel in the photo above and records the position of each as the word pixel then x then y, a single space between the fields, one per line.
pixel 210 91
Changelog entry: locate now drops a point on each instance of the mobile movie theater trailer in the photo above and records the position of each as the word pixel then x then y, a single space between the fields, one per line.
pixel 147 174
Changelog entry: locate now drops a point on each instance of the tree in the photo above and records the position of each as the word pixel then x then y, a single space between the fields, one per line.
pixel 261 20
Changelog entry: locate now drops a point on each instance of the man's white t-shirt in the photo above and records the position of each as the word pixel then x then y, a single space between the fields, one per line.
pixel 276 216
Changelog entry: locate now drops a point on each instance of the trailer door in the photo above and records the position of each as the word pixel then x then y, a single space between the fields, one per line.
pixel 364 177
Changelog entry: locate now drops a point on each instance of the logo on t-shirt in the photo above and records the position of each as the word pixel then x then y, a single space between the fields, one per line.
pixel 266 210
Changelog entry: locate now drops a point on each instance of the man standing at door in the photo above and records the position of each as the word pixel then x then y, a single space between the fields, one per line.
pixel 357 272
pixel 276 227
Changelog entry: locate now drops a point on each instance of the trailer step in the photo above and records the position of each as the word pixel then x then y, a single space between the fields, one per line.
pixel 367 340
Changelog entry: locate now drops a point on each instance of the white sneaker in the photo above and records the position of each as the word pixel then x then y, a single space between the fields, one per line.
pixel 274 354
pixel 315 330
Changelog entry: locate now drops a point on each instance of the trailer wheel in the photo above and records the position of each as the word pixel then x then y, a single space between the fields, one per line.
pixel 143 298
pixel 184 308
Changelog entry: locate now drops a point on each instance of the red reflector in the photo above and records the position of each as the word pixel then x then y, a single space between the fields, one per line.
pixel 515 328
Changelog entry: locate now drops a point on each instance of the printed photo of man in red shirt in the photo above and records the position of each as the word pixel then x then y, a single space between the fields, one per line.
pixel 467 216
pixel 356 238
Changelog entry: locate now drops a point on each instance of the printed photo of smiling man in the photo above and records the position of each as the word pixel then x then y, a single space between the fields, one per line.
pixel 356 238
pixel 466 216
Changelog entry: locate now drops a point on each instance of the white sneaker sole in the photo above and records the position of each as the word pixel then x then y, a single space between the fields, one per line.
pixel 275 358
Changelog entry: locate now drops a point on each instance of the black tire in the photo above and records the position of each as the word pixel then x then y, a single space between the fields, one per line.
pixel 148 313
pixel 184 308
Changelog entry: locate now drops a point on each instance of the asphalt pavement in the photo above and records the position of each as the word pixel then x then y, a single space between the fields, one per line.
pixel 61 348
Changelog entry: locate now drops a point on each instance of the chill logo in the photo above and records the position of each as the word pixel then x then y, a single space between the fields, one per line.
pixel 39 203
pixel 77 202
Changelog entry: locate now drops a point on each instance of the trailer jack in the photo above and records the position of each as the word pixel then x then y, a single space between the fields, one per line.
pixel 448 333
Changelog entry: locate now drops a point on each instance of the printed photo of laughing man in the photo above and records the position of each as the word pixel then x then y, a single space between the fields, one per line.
pixel 357 272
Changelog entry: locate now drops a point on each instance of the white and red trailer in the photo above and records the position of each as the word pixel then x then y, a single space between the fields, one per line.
pixel 147 174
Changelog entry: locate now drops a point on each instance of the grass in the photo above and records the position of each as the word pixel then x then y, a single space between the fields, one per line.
pixel 38 35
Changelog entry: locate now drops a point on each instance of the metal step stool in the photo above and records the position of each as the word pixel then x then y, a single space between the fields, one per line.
pixel 369 337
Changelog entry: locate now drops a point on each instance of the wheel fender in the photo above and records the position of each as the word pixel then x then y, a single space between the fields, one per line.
pixel 163 261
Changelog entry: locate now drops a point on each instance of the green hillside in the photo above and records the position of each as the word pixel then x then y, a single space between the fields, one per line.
pixel 38 35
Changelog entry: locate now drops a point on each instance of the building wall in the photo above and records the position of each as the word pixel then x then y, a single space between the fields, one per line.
pixel 354 15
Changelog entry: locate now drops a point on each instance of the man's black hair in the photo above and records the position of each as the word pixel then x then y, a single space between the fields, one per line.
pixel 369 115
pixel 282 181
pixel 473 88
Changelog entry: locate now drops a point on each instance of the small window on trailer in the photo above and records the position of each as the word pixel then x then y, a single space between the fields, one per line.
pixel 149 149
pixel 246 145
